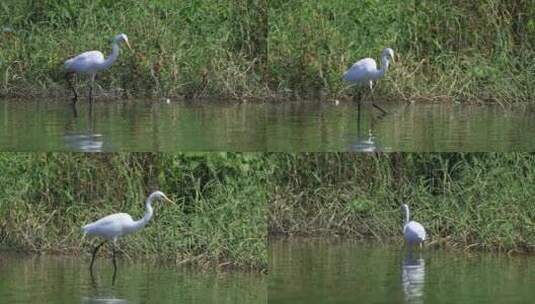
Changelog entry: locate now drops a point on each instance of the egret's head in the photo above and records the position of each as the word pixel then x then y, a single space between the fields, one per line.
pixel 388 53
pixel 160 195
pixel 404 207
pixel 122 38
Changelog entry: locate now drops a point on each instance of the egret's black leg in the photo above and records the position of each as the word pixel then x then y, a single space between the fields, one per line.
pixel 93 257
pixel 113 259
pixel 91 92
pixel 68 77
pixel 379 108
pixel 74 110
pixel 373 100
pixel 114 264
pixel 91 83
pixel 93 281
pixel 358 114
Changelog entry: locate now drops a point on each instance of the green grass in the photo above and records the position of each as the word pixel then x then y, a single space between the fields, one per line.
pixel 477 51
pixel 480 201
pixel 447 50
pixel 227 203
pixel 181 48
pixel 218 218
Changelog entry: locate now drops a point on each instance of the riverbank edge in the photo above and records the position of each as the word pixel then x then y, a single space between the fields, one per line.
pixel 265 97
pixel 187 260
pixel 194 262
pixel 393 241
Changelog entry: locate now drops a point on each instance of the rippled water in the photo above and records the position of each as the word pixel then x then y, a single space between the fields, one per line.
pixel 44 125
pixel 351 272
pixel 52 279
pixel 407 127
pixel 48 125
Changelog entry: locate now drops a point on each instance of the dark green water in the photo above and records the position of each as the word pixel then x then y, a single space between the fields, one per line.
pixel 45 279
pixel 351 272
pixel 131 126
pixel 290 126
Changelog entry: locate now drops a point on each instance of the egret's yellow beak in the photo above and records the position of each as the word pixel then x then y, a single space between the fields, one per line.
pixel 128 45
pixel 165 198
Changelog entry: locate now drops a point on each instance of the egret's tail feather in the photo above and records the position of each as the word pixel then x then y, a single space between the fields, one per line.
pixel 87 228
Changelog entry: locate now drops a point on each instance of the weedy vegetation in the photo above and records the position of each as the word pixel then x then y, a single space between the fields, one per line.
pixel 181 48
pixel 478 201
pixel 477 51
pixel 218 219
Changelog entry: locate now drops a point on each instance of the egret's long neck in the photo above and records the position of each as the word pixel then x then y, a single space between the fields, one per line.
pixel 384 66
pixel 146 217
pixel 112 57
pixel 406 215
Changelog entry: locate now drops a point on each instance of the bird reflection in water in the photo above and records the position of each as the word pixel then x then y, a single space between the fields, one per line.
pixel 87 141
pixel 365 142
pixel 103 300
pixel 102 295
pixel 413 278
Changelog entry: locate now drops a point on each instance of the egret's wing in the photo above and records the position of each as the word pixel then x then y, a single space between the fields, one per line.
pixel 84 61
pixel 108 225
pixel 361 70
pixel 414 231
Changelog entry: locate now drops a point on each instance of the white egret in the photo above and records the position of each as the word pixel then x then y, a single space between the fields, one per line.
pixel 413 232
pixel 365 71
pixel 92 62
pixel 114 226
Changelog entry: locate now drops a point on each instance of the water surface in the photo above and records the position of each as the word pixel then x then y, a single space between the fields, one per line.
pixel 203 125
pixel 350 272
pixel 44 125
pixel 419 127
pixel 53 279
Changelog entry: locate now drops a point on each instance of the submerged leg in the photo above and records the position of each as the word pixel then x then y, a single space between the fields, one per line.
pixel 114 263
pixel 68 77
pixel 379 108
pixel 74 110
pixel 113 258
pixel 358 114
pixel 373 100
pixel 91 83
pixel 93 257
pixel 357 96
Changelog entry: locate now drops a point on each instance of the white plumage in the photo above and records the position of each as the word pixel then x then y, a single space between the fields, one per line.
pixel 111 227
pixel 365 71
pixel 114 226
pixel 92 62
pixel 413 231
pixel 88 62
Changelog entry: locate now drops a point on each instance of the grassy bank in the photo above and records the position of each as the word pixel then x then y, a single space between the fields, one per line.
pixel 447 50
pixel 253 49
pixel 218 219
pixel 480 201
pixel 181 48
